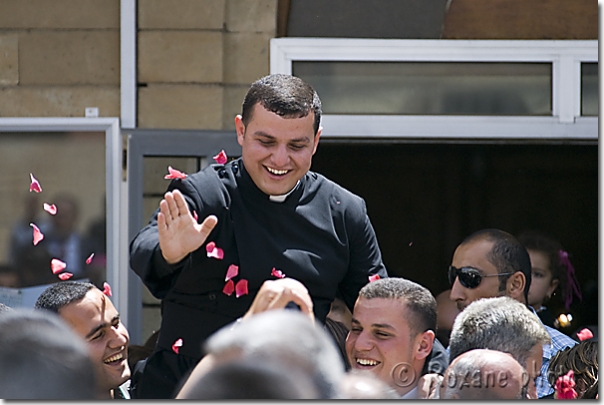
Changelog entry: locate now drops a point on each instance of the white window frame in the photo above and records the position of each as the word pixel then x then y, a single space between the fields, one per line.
pixel 565 56
pixel 113 172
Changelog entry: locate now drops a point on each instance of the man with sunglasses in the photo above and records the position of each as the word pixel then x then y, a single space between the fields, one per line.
pixel 492 263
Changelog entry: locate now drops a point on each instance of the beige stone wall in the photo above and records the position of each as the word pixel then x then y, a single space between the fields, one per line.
pixel 59 57
pixel 196 59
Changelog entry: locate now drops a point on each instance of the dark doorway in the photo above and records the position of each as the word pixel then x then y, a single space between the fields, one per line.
pixel 424 198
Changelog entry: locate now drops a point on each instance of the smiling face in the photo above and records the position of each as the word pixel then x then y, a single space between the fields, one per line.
pixel 96 320
pixel 542 282
pixel 380 341
pixel 276 151
pixel 474 254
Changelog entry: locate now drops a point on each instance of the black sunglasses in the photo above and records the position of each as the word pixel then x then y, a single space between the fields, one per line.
pixel 469 277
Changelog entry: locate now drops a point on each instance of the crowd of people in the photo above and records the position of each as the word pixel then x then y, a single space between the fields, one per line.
pixel 273 287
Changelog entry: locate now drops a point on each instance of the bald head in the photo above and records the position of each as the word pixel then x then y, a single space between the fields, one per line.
pixel 484 374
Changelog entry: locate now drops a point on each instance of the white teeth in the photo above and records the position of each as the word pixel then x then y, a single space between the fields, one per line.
pixel 275 171
pixel 365 362
pixel 114 358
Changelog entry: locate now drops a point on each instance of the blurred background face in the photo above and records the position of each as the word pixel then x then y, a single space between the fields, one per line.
pixel 542 282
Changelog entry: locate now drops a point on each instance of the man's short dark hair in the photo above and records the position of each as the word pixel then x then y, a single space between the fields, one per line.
pixel 418 299
pixel 285 95
pixel 42 358
pixel 61 294
pixel 507 255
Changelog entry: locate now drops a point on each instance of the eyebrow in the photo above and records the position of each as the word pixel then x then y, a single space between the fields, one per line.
pixel 264 134
pixel 375 325
pixel 101 326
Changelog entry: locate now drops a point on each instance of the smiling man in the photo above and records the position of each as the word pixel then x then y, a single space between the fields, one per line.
pixel 264 211
pixel 92 316
pixel 393 327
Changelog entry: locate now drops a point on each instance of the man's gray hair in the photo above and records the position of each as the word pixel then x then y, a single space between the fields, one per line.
pixel 285 336
pixel 500 323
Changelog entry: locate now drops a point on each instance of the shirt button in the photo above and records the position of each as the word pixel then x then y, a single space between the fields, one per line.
pixel 212 296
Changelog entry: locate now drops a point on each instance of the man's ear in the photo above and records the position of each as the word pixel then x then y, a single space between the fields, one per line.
pixel 240 129
pixel 424 344
pixel 515 286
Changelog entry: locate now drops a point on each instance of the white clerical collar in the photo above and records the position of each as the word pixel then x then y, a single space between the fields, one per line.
pixel 413 394
pixel 282 197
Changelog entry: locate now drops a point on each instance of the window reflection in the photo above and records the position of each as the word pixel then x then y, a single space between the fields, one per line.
pixel 589 89
pixel 430 88
pixel 70 167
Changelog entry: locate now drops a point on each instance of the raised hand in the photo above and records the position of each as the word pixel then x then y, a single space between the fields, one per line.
pixel 179 232
pixel 275 294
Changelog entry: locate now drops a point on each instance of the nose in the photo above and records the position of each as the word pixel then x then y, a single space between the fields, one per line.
pixel 457 293
pixel 280 156
pixel 119 337
pixel 363 342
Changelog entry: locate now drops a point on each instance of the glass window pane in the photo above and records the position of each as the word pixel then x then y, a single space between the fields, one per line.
pixel 70 167
pixel 589 89
pixel 430 88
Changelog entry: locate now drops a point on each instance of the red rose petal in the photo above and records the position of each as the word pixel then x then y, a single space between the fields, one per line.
pixel 585 334
pixel 177 345
pixel 175 174
pixel 277 273
pixel 50 208
pixel 57 266
pixel 565 386
pixel 214 251
pixel 38 236
pixel 195 216
pixel 65 276
pixel 229 287
pixel 241 288
pixel 221 158
pixel 106 289
pixel 375 277
pixel 232 271
pixel 89 259
pixel 35 185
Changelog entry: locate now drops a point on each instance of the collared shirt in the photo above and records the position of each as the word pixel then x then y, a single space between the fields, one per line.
pixel 559 342
pixel 413 394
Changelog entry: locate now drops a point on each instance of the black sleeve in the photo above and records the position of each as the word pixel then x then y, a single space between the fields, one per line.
pixel 438 360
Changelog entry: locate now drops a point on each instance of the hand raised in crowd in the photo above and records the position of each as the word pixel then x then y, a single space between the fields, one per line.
pixel 275 294
pixel 179 232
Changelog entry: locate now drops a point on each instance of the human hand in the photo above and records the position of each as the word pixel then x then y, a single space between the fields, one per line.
pixel 428 385
pixel 179 232
pixel 275 294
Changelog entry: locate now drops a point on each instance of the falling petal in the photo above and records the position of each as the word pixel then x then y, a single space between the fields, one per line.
pixel 411 243
pixel 174 174
pixel 35 185
pixel 50 208
pixel 241 288
pixel 195 216
pixel 585 334
pixel 65 276
pixel 177 345
pixel 57 266
pixel 373 278
pixel 565 386
pixel 221 158
pixel 89 260
pixel 277 273
pixel 214 251
pixel 38 236
pixel 229 287
pixel 232 272
pixel 106 289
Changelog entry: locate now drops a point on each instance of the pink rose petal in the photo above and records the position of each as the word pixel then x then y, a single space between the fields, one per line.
pixel 35 185
pixel 241 288
pixel 38 236
pixel 585 334
pixel 277 273
pixel 175 174
pixel 214 251
pixel 177 345
pixel 221 158
pixel 232 271
pixel 65 276
pixel 229 287
pixel 195 216
pixel 565 386
pixel 50 208
pixel 89 260
pixel 57 266
pixel 375 277
pixel 106 289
